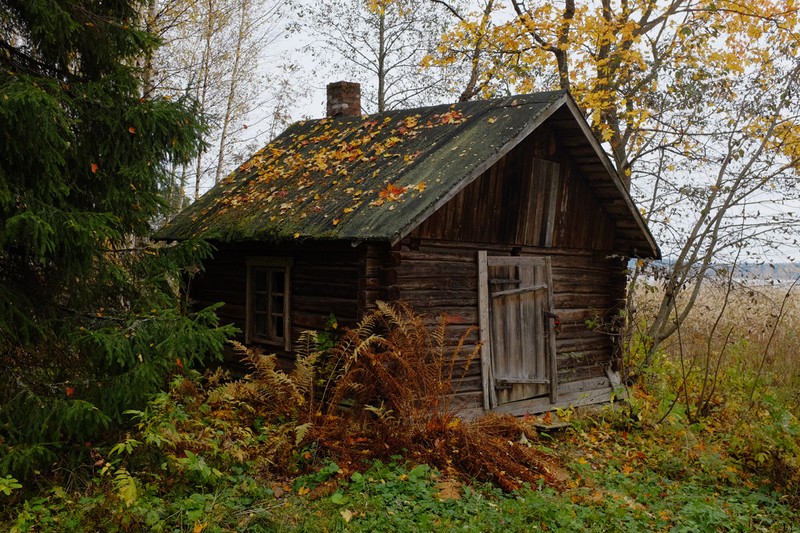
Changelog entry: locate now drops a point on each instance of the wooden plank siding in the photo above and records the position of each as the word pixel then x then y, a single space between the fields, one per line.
pixel 582 352
pixel 532 196
pixel 341 284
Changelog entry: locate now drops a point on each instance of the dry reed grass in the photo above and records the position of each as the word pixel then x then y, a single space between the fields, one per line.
pixel 749 334
pixel 734 365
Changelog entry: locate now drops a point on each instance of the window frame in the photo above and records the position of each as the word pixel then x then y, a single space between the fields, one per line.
pixel 270 265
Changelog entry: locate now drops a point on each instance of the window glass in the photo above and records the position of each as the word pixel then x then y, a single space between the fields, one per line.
pixel 268 301
pixel 260 302
pixel 260 324
pixel 278 276
pixel 260 279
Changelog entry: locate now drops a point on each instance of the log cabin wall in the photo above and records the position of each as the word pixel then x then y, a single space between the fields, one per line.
pixel 440 278
pixel 532 202
pixel 326 278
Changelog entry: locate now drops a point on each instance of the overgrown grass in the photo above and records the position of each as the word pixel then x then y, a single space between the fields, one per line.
pixel 733 369
pixel 315 451
pixel 665 478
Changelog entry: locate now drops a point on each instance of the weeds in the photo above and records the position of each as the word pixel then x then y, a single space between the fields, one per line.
pixel 363 435
pixel 733 368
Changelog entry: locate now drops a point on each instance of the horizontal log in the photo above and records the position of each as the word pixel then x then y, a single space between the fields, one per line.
pixel 465 402
pixel 561 299
pixel 466 256
pixel 318 321
pixel 438 283
pixel 583 372
pixel 323 271
pixel 576 286
pixel 574 315
pixel 431 301
pixel 473 384
pixel 337 306
pixel 442 269
pixel 576 335
pixel 584 385
pixel 326 291
pixel 586 270
pixel 581 359
pixel 371 283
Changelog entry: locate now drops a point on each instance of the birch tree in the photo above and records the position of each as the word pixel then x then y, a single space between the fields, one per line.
pixel 695 101
pixel 382 44
pixel 218 51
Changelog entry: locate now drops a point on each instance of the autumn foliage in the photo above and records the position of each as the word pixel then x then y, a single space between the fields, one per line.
pixel 384 390
pixel 393 390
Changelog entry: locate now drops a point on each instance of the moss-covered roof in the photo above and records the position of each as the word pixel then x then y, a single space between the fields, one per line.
pixel 372 177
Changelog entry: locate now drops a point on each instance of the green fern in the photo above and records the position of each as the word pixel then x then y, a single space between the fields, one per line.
pixel 126 487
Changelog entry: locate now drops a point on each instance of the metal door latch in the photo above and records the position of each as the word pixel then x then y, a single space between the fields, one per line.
pixel 556 321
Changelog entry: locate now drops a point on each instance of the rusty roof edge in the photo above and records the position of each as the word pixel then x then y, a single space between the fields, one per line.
pixel 612 171
pixel 537 121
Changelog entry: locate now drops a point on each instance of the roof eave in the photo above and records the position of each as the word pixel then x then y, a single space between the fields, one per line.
pixel 615 178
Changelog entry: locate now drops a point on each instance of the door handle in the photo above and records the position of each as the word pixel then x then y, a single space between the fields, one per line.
pixel 556 321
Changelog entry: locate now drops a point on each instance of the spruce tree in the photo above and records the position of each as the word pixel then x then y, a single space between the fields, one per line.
pixel 91 316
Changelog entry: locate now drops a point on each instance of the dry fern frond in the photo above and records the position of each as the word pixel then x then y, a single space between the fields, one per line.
pixel 399 380
pixel 300 433
pixel 277 394
pixel 302 377
pixel 389 387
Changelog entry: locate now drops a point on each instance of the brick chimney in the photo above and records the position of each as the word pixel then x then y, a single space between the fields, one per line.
pixel 344 98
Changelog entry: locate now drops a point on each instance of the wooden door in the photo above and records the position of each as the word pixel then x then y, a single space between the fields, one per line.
pixel 518 352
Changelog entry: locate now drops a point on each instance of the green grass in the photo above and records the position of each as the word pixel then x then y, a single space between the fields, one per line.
pixel 637 479
pixel 206 456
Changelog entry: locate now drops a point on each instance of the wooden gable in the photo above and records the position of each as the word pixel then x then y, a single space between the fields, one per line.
pixel 533 196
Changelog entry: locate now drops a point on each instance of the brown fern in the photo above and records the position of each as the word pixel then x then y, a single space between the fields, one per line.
pixel 397 386
pixel 389 387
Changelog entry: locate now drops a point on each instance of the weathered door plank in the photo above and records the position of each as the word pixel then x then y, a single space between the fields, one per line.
pixel 518 354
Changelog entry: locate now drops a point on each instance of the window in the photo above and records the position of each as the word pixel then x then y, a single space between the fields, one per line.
pixel 268 316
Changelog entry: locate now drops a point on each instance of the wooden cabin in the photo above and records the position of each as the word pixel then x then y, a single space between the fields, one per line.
pixel 505 214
